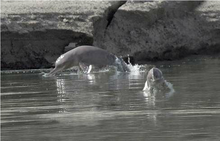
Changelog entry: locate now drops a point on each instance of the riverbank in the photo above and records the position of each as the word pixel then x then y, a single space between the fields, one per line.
pixel 35 33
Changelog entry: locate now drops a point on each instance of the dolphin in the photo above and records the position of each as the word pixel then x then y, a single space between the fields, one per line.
pixel 88 56
pixel 155 79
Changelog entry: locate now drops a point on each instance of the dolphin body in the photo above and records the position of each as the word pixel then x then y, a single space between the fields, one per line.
pixel 88 55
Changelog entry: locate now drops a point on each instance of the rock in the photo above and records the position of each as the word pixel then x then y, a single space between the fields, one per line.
pixel 100 24
pixel 163 30
pixel 70 47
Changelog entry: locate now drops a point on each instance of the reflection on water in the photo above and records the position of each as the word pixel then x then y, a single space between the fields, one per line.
pixel 112 106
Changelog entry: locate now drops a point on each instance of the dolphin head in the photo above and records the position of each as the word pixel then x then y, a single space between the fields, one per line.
pixel 155 77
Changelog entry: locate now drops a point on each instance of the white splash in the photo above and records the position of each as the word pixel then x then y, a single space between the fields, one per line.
pixel 135 69
pixel 171 89
pixel 167 89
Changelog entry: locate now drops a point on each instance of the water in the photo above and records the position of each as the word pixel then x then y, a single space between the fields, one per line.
pixel 109 106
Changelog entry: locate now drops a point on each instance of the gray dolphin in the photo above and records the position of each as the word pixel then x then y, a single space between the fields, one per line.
pixel 156 84
pixel 154 79
pixel 88 55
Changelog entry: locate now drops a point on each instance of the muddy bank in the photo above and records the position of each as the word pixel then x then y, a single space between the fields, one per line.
pixel 35 33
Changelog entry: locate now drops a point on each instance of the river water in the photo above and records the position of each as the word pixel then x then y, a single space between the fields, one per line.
pixel 110 106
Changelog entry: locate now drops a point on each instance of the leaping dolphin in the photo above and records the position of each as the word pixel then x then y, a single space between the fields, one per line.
pixel 88 55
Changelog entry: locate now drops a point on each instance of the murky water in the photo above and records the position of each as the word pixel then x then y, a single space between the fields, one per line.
pixel 109 106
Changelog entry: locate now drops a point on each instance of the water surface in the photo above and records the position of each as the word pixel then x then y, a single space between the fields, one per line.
pixel 112 106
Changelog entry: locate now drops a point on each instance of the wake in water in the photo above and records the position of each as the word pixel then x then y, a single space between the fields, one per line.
pixel 155 82
pixel 118 66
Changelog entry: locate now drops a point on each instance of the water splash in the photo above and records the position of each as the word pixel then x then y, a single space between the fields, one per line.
pixel 171 92
pixel 132 69
pixel 121 65
pixel 166 90
pixel 137 69
pixel 45 74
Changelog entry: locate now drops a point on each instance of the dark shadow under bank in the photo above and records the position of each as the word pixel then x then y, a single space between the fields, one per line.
pixel 37 49
pixel 40 49
pixel 175 54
